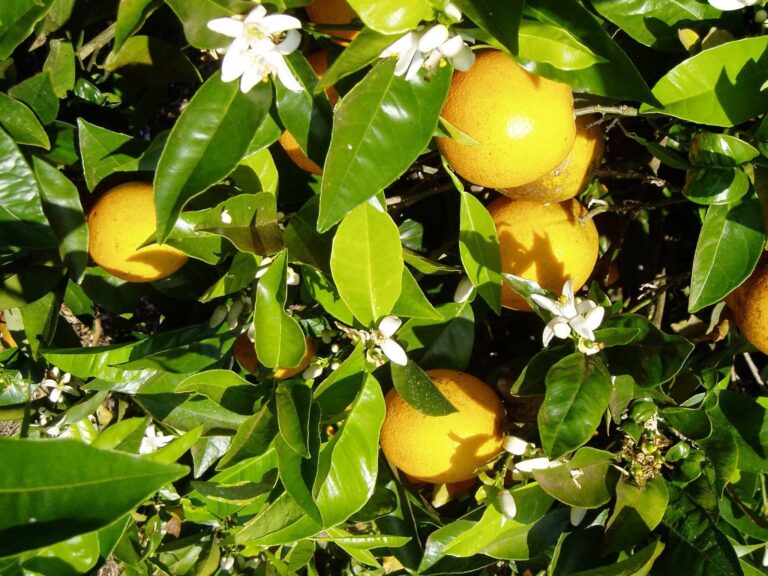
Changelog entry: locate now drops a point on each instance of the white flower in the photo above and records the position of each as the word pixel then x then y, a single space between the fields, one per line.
pixel 293 277
pixel 427 48
pixel 463 291
pixel 261 42
pixel 588 348
pixel 580 315
pixel 507 504
pixel 391 349
pixel 153 440
pixel 515 445
pixel 577 515
pixel 57 387
pixel 541 463
pixel 727 5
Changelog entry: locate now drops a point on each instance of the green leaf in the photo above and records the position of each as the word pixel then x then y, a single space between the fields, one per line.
pixel 18 17
pixel 499 18
pixel 152 61
pixel 382 18
pixel 445 343
pixel 61 204
pixel 585 481
pixel 716 185
pixel 615 77
pixel 61 65
pixel 578 393
pixel 279 340
pixel 339 390
pixel 207 142
pixel 322 291
pixel 479 249
pixel 257 173
pixel 652 357
pixel 37 92
pixel 254 437
pixel 21 123
pixel 351 458
pixel 417 389
pixel 176 449
pixel 655 23
pixel 364 49
pixel 131 15
pixel 52 490
pixel 380 127
pixel 638 510
pixel 549 44
pixel 694 544
pixel 639 564
pixel 367 263
pixel 225 388
pixel 195 15
pixel 747 418
pixel 105 152
pixel 720 150
pixel 303 241
pixel 22 221
pixel 729 247
pixel 412 303
pixel 719 86
pixel 294 401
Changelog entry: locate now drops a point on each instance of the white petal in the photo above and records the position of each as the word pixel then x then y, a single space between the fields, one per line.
pixel 413 69
pixel 561 328
pixel 406 43
pixel 289 43
pixel 257 14
pixel 433 38
pixel 568 290
pixel 227 26
pixel 587 347
pixel 727 5
pixel 548 304
pixel 515 445
pixel 583 306
pixel 235 61
pixel 507 504
pixel 55 395
pixel 279 23
pixel 405 61
pixel 293 277
pixel 464 60
pixel 284 73
pixel 65 378
pixel 393 351
pixel 226 217
pixel 452 11
pixel 594 318
pixel 577 515
pixel 579 326
pixel 535 464
pixel 452 46
pixel 252 76
pixel 389 325
pixel 463 290
pixel 48 383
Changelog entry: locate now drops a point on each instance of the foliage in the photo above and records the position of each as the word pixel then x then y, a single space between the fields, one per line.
pixel 136 437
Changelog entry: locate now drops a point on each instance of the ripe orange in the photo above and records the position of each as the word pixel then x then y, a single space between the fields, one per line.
pixel 543 242
pixel 523 123
pixel 319 63
pixel 445 449
pixel 6 339
pixel 573 174
pixel 335 12
pixel 121 221
pixel 749 303
pixel 245 354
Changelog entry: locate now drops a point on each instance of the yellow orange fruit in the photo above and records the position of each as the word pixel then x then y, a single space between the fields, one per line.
pixel 245 354
pixel 749 303
pixel 6 339
pixel 319 63
pixel 450 448
pixel 573 174
pixel 122 220
pixel 547 243
pixel 523 124
pixel 334 12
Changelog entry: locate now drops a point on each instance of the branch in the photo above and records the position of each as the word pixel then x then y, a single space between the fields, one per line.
pixel 605 110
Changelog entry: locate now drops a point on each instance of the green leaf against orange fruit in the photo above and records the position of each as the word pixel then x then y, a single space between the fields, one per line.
pixel 382 18
pixel 479 249
pixel 499 18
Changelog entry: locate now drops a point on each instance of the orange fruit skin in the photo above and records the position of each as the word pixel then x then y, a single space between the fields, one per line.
pixel 450 448
pixel 335 12
pixel 543 242
pixel 245 354
pixel 6 339
pixel 121 221
pixel 749 303
pixel 523 123
pixel 573 174
pixel 319 63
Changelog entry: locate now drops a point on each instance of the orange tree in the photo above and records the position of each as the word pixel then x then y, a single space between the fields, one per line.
pixel 522 225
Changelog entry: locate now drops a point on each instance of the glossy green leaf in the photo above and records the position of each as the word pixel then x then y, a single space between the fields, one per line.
pixel 241 272
pixel 195 15
pixel 367 263
pixel 730 244
pixel 719 86
pixel 445 343
pixel 257 173
pixel 382 18
pixel 207 142
pixel 616 77
pixel 716 185
pixel 585 481
pixel 181 412
pixel 639 564
pixel 303 241
pixel 365 48
pixel 38 93
pixel 479 249
pixel 747 419
pixel 18 17
pixel 694 544
pixel 578 393
pixel 61 66
pixel 173 451
pixel 152 61
pixel 380 127
pixel 499 18
pixel 412 302
pixel 21 123
pixel 22 221
pixel 720 150
pixel 223 387
pixel 253 438
pixel 237 493
pixel 131 15
pixel 76 555
pixel 338 391
pixel 321 290
pixel 279 340
pixel 105 152
pixel 655 23
pixel 61 204
pixel 652 357
pixel 549 44
pixel 417 389
pixel 638 510
pixel 55 489
pixel 351 458
pixel 283 521
pixel 294 402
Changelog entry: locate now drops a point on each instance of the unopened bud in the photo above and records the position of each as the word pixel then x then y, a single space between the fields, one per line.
pixel 507 504
pixel 218 316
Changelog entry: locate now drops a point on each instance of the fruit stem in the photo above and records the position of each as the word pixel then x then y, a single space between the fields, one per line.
pixel 622 110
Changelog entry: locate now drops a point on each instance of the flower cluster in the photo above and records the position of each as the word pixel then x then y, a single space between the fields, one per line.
pixel 261 43
pixel 380 341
